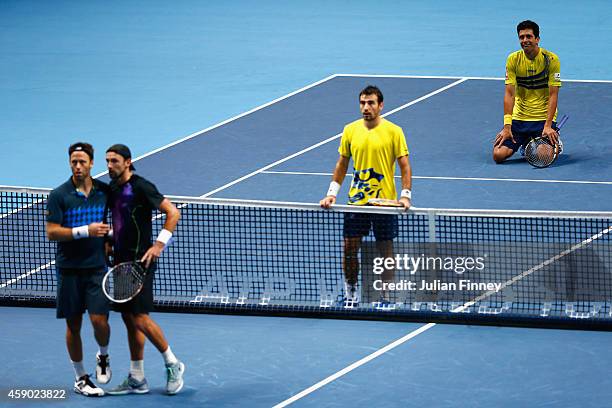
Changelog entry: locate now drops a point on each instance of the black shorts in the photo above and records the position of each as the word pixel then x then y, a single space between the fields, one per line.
pixel 143 302
pixel 385 226
pixel 523 131
pixel 79 290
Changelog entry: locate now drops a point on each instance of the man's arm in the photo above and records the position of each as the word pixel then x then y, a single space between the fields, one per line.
pixel 553 98
pixel 55 232
pixel 172 217
pixel 338 177
pixel 406 171
pixel 506 132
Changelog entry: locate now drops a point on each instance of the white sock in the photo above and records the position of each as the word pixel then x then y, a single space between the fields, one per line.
pixel 137 369
pixel 169 357
pixel 103 350
pixel 79 370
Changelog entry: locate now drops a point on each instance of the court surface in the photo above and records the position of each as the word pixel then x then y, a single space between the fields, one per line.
pixel 274 136
pixel 285 151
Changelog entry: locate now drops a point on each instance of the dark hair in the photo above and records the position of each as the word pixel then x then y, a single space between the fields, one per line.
pixel 123 151
pixel 372 90
pixel 81 147
pixel 528 25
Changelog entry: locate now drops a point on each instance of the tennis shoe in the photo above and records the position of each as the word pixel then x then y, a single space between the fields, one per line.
pixel 560 146
pixel 348 302
pixel 351 296
pixel 384 304
pixel 130 386
pixel 174 374
pixel 86 387
pixel 103 370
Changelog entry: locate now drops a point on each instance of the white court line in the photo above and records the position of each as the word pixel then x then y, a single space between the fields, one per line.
pixel 303 173
pixel 25 275
pixel 208 129
pixel 247 176
pixel 603 81
pixel 294 155
pixel 428 326
pixel 355 365
pixel 16 210
pixel 463 78
pixel 319 83
pixel 535 268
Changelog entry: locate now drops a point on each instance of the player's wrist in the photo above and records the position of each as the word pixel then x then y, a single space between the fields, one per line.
pixel 80 232
pixel 334 189
pixel 507 120
pixel 164 237
pixel 406 193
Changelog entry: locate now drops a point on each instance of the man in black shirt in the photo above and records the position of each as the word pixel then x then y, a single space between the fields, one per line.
pixel 132 201
pixel 76 212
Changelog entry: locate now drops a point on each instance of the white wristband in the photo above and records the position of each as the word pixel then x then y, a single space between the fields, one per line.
pixel 164 236
pixel 334 188
pixel 80 232
pixel 406 193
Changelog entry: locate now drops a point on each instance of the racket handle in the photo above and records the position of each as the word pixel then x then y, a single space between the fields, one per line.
pixel 562 122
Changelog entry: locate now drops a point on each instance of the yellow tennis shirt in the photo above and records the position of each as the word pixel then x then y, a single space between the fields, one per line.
pixel 374 153
pixel 531 79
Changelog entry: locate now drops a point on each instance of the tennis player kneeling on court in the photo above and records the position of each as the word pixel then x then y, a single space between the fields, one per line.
pixel 533 79
pixel 75 218
pixel 132 201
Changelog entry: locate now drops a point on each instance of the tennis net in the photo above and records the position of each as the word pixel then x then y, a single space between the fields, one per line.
pixel 236 256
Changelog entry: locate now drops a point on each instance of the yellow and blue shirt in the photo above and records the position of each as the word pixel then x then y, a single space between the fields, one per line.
pixel 374 152
pixel 531 79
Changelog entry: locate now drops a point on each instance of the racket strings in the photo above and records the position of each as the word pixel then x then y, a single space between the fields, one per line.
pixel 539 152
pixel 124 282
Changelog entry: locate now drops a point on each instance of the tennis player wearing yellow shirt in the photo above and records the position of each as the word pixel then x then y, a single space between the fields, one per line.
pixel 533 78
pixel 375 144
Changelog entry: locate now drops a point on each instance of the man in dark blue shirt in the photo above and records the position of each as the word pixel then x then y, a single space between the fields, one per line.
pixel 76 212
pixel 132 200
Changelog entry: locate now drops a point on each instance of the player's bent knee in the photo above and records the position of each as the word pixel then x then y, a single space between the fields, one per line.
pixel 498 158
pixel 499 155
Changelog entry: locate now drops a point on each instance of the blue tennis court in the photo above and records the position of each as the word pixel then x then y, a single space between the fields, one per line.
pixel 284 149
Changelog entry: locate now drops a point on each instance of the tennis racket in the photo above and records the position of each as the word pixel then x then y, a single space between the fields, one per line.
pixel 384 202
pixel 124 281
pixel 540 152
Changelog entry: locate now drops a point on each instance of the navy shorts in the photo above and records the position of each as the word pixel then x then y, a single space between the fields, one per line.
pixel 385 226
pixel 79 290
pixel 523 131
pixel 143 302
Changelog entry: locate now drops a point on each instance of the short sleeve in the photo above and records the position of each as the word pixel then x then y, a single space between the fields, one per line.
pixel 55 214
pixel 151 194
pixel 345 143
pixel 401 148
pixel 554 72
pixel 510 70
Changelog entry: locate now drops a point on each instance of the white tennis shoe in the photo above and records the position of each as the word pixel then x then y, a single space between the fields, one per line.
pixel 86 387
